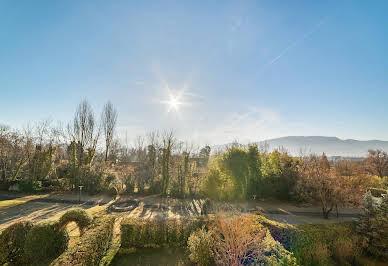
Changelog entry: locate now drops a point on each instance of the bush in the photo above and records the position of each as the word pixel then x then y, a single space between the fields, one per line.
pixel 92 245
pixel 346 250
pixel 45 241
pixel 138 233
pixel 323 244
pixel 281 232
pixel 237 241
pixel 79 216
pixel 12 243
pixel 373 226
pixel 28 185
pixel 273 253
pixel 200 245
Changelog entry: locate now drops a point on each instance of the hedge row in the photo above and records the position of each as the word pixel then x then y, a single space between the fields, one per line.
pixel 319 244
pixel 23 243
pixel 138 233
pixel 92 246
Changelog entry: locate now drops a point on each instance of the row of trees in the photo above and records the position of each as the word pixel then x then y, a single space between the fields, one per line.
pixel 247 173
pixel 85 152
pixel 44 152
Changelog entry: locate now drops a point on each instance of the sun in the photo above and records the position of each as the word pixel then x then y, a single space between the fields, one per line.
pixel 174 103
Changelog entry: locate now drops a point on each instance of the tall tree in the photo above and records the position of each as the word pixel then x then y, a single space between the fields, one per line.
pixel 168 142
pixel 108 120
pixel 377 163
pixel 318 183
pixel 85 132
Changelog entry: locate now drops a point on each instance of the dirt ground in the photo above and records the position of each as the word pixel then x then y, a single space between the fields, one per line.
pixel 15 207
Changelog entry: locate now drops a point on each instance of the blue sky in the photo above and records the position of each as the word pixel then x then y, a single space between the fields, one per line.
pixel 244 70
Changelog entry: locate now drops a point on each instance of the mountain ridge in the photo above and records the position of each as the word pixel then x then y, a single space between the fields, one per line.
pixel 331 146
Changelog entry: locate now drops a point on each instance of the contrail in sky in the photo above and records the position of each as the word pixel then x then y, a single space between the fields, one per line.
pixel 293 44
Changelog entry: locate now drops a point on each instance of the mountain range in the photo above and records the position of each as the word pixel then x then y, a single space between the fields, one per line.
pixel 332 146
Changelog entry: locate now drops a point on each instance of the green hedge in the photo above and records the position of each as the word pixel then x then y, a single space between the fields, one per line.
pixel 79 216
pixel 12 243
pixel 281 232
pixel 323 244
pixel 45 241
pixel 138 233
pixel 92 246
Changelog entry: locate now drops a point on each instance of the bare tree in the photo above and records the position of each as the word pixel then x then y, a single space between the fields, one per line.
pixel 108 120
pixel 84 132
pixel 168 142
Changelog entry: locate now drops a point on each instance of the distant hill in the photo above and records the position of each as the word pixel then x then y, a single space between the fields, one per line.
pixel 332 146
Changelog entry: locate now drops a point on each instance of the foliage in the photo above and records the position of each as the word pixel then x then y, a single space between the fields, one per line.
pixel 12 243
pixel 325 244
pixel 242 173
pixel 373 226
pixel 45 241
pixel 138 233
pixel 79 216
pixel 200 244
pixel 377 163
pixel 93 244
pixel 273 253
pixel 29 185
pixel 281 232
pixel 318 183
pixel 237 240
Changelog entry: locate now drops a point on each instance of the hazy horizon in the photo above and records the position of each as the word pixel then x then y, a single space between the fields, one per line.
pixel 214 72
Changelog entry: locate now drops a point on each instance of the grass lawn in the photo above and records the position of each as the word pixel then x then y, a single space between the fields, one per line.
pixel 10 203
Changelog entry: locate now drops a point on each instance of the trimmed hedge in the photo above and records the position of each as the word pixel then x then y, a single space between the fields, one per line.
pixel 92 246
pixel 323 244
pixel 12 243
pixel 79 216
pixel 281 232
pixel 138 233
pixel 45 241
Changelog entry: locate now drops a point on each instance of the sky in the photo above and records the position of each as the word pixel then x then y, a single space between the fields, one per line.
pixel 213 71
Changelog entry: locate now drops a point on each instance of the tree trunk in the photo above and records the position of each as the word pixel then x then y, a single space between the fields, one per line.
pixel 326 212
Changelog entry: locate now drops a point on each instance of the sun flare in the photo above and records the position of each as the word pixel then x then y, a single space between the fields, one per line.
pixel 174 103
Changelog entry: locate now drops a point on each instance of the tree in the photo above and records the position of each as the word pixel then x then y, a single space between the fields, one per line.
pixel 318 183
pixel 204 154
pixel 377 163
pixel 255 176
pixel 168 142
pixel 85 132
pixel 234 164
pixel 108 120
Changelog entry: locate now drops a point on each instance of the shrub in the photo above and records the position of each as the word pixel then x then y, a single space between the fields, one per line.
pixel 200 245
pixel 319 244
pixel 92 245
pixel 238 240
pixel 79 216
pixel 281 232
pixel 12 243
pixel 28 185
pixel 138 233
pixel 373 226
pixel 346 250
pixel 273 253
pixel 45 241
